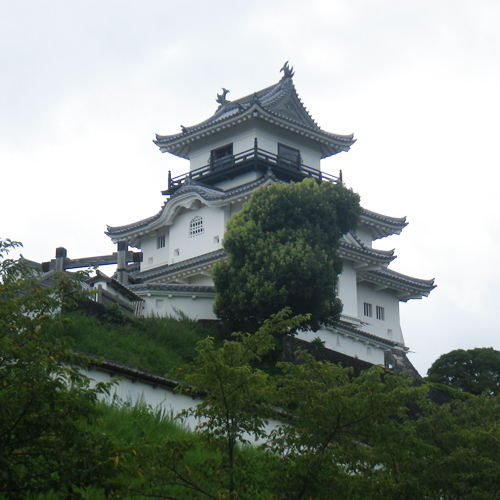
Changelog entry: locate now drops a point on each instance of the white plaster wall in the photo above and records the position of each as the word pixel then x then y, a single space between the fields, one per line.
pixel 347 290
pixel 111 289
pixel 365 235
pixel 346 345
pixel 386 299
pixel 242 137
pixel 268 139
pixel 200 279
pixel 238 181
pixel 142 393
pixel 183 247
pixel 165 304
pixel 159 398
pixel 152 255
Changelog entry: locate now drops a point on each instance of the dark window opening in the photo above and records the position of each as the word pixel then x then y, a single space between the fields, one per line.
pixel 289 156
pixel 222 156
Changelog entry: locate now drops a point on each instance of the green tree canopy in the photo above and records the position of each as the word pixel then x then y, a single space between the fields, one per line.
pixel 475 370
pixel 377 435
pixel 46 404
pixel 282 250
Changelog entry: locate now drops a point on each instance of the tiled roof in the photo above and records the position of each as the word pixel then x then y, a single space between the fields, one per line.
pixel 157 272
pixel 382 225
pixel 382 256
pixel 125 290
pixel 172 287
pixel 206 193
pixel 343 326
pixel 279 104
pixel 117 230
pixel 393 277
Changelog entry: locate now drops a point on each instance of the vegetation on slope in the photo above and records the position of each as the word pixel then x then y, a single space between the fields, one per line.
pixel 345 436
pixel 152 344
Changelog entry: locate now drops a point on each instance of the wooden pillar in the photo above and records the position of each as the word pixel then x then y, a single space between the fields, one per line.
pixel 121 271
pixel 61 254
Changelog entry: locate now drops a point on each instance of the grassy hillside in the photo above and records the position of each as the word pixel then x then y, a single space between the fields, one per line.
pixel 153 344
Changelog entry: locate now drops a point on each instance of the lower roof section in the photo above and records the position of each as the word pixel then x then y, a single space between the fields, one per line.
pixel 405 286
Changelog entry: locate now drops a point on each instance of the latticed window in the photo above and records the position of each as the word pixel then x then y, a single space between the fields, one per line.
pixel 367 309
pixel 380 313
pixel 196 227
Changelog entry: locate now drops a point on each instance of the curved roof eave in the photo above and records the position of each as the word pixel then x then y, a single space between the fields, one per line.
pixel 178 144
pixel 193 191
pixel 136 229
pixel 382 225
pixel 353 252
pixel 409 286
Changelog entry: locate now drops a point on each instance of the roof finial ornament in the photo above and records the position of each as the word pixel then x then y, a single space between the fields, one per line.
pixel 288 71
pixel 221 98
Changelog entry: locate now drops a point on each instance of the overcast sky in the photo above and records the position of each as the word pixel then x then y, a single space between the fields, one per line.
pixel 84 86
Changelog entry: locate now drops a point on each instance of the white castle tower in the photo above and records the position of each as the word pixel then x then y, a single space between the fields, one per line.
pixel 262 138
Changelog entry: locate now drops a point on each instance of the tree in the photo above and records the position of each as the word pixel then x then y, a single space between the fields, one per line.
pixel 282 250
pixel 343 432
pixel 335 432
pixel 234 411
pixel 475 370
pixel 462 437
pixel 377 435
pixel 46 405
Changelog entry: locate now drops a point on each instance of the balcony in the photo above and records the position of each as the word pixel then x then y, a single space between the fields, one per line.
pixel 255 159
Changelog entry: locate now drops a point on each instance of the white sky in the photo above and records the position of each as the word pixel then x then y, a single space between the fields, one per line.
pixel 85 85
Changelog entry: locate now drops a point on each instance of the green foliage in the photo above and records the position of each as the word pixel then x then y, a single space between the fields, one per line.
pixel 282 252
pixel 475 371
pixel 46 405
pixel 463 457
pixel 375 436
pixel 236 405
pixel 154 344
pixel 339 429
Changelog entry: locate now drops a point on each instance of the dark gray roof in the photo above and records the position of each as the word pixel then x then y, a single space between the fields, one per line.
pixel 381 256
pixel 173 287
pixel 388 275
pixel 278 104
pixel 343 326
pixel 167 269
pixel 100 277
pixel 205 192
pixel 382 225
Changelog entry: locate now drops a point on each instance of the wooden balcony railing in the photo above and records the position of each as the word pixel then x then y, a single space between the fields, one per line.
pixel 256 157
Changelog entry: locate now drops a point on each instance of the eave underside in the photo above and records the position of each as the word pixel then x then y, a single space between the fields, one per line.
pixel 406 287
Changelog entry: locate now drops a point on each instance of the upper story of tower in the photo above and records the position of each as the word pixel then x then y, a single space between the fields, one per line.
pixel 269 129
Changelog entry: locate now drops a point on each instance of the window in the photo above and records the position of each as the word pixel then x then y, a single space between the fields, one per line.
pixel 160 243
pixel 289 156
pixel 380 311
pixel 367 310
pixel 196 227
pixel 222 156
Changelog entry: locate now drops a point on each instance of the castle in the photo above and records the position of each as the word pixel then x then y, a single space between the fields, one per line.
pixel 262 138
